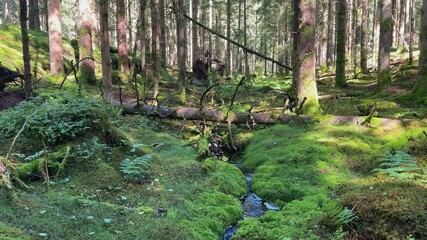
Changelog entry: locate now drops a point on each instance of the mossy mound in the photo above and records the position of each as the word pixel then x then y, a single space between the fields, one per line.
pixel 11 233
pixel 11 50
pixel 302 168
pixel 389 210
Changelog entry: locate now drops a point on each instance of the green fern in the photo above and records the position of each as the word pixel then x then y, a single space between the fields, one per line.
pixel 399 165
pixel 136 169
pixel 343 216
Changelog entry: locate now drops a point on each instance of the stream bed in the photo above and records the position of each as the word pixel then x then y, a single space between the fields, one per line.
pixel 253 207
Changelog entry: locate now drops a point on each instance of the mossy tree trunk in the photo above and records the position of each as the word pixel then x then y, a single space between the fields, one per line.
pixel 420 89
pixel 182 53
pixel 341 36
pixel 55 38
pixel 305 56
pixel 121 37
pixel 86 29
pixel 105 52
pixel 385 40
pixel 364 28
pixel 25 48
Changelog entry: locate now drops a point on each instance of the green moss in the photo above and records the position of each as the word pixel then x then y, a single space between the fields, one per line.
pixel 11 233
pixel 224 177
pixel 389 210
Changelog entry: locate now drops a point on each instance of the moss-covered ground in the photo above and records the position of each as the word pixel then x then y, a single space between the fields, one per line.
pixel 321 175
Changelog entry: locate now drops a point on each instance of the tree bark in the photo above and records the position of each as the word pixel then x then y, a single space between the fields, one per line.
pixel 143 6
pixel 228 46
pixel 330 44
pixel 155 44
pixel 184 113
pixel 86 28
pixel 121 36
pixel 181 31
pixel 341 36
pixel 162 20
pixel 364 28
pixel 195 32
pixel 105 52
pixel 55 38
pixel 34 15
pixel 420 89
pixel 306 88
pixel 239 45
pixel 384 72
pixel 25 48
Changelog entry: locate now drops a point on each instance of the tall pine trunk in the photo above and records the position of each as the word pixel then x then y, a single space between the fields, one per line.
pixel 330 41
pixel 143 6
pixel 86 28
pixel 181 31
pixel 306 87
pixel 155 44
pixel 340 80
pixel 228 47
pixel 34 15
pixel 121 36
pixel 105 52
pixel 385 40
pixel 364 36
pixel 55 38
pixel 420 89
pixel 25 48
pixel 195 31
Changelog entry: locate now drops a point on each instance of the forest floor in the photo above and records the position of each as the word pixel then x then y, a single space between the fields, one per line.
pixel 143 177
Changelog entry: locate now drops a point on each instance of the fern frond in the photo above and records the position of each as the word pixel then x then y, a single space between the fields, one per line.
pixel 399 165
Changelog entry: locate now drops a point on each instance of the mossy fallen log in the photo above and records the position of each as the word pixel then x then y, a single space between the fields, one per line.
pixel 186 113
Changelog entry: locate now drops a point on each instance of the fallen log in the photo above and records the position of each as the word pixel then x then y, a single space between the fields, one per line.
pixel 185 113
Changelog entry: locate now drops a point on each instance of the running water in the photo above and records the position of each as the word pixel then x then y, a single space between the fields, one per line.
pixel 253 207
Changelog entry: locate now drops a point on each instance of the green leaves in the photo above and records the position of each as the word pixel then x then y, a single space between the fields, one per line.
pixel 58 118
pixel 136 169
pixel 399 165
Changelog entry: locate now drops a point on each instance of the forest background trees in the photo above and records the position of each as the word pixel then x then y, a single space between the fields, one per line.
pixel 350 37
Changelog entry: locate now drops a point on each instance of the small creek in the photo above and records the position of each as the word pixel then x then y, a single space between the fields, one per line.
pixel 252 205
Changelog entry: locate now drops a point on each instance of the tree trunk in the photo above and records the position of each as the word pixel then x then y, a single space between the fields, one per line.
pixel 376 32
pixel 195 33
pixel 324 34
pixel 364 36
pixel 105 52
pixel 306 57
pixel 228 47
pixel 411 30
pixel 155 44
pixel 129 24
pixel 34 15
pixel 384 72
pixel 330 44
pixel 181 31
pixel 121 36
pixel 55 38
pixel 340 80
pixel 420 89
pixel 25 48
pixel 86 28
pixel 402 17
pixel 245 42
pixel 143 6
pixel 162 18
pixel 240 45
pixel 295 57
